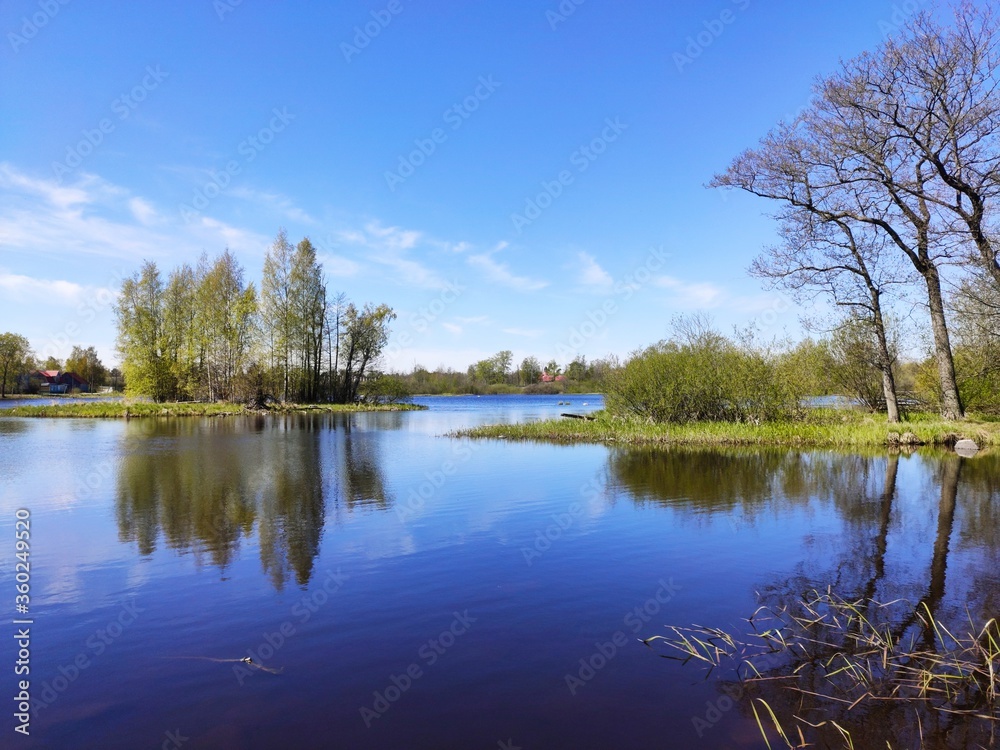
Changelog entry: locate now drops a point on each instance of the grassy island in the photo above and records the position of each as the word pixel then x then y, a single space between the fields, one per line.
pixel 123 410
pixel 820 428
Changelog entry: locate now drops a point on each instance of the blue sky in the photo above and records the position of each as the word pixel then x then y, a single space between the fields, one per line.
pixel 506 175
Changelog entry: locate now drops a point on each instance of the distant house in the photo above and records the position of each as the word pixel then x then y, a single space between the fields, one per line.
pixel 54 381
pixel 546 378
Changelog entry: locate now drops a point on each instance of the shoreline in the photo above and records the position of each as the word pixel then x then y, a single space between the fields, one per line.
pixel 143 409
pixel 825 431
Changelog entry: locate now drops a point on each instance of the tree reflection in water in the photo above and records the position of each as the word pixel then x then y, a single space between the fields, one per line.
pixel 876 519
pixel 205 484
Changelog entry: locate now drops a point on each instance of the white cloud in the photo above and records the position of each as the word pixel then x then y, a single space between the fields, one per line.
pixel 691 295
pixel 456 329
pixel 338 265
pixel 591 274
pixel 94 218
pixel 50 191
pixel 142 210
pixel 501 273
pixel 391 247
pixel 274 202
pixel 45 291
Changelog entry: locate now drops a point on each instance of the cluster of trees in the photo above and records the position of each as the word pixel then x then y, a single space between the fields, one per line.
pixel 887 183
pixel 17 361
pixel 205 333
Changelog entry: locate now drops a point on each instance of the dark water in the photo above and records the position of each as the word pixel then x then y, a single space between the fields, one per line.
pixel 417 591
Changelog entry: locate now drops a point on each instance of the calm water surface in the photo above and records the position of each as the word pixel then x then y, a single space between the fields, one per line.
pixel 416 591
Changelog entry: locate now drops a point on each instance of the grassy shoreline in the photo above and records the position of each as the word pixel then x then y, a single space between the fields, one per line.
pixel 823 429
pixel 137 409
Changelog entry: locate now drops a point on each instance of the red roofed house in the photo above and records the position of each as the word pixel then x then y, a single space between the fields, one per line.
pixel 546 378
pixel 54 381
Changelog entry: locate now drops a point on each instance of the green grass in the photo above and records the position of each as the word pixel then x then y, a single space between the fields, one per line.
pixel 819 428
pixel 129 410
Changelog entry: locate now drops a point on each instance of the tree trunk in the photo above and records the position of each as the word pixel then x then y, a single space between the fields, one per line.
pixel 951 402
pixel 888 379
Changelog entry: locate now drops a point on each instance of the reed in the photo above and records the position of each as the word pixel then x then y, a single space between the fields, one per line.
pixel 848 655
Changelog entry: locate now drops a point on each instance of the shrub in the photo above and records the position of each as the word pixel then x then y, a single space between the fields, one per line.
pixel 701 375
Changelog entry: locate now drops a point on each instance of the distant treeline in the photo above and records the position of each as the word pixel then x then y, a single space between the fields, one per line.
pixel 497 374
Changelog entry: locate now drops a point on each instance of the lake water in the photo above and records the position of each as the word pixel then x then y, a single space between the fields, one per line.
pixel 408 590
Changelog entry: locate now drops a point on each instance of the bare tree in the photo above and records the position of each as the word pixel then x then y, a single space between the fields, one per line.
pixel 936 92
pixel 829 163
pixel 845 262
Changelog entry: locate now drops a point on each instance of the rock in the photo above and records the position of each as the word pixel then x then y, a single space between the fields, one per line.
pixel 966 448
pixel 908 438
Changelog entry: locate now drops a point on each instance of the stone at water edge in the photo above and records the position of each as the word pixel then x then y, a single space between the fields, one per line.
pixel 966 448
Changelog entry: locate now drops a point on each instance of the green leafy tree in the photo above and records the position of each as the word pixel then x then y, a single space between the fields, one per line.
pixel 278 311
pixel 227 309
pixel 577 369
pixel 309 306
pixel 139 314
pixel 183 347
pixel 51 364
pixel 86 364
pixel 530 370
pixel 15 353
pixel 364 336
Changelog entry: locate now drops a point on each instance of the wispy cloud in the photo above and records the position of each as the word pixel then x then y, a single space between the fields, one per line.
pixel 338 265
pixel 273 202
pixel 689 295
pixel 32 289
pixel 451 327
pixel 500 273
pixel 95 218
pixel 393 248
pixel 142 210
pixel 591 275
